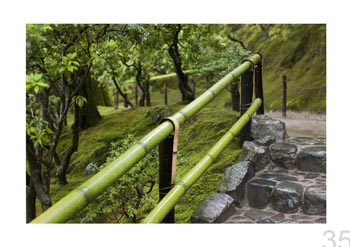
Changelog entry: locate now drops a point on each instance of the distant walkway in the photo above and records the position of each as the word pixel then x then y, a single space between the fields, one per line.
pixel 302 124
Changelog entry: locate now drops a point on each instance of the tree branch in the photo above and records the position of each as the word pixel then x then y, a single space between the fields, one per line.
pixel 237 40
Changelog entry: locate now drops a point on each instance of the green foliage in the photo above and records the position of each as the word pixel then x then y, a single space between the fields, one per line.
pixel 69 64
pixel 219 63
pixel 35 81
pixel 40 136
pixel 129 198
pixel 79 100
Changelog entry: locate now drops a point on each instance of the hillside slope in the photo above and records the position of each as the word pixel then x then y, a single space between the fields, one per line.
pixel 299 53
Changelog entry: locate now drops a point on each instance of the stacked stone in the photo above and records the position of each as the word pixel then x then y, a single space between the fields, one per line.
pixel 265 177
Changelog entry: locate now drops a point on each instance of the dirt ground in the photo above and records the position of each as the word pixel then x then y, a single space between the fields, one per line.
pixel 302 124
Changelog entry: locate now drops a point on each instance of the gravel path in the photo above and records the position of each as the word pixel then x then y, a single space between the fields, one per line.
pixel 302 124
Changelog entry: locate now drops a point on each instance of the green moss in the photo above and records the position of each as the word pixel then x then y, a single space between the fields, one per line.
pixel 297 51
pixel 197 136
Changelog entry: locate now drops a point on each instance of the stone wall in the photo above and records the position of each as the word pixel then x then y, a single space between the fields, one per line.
pixel 272 172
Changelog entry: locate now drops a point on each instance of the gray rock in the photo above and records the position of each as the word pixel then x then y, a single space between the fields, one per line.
pixel 215 208
pixel 259 192
pixel 277 177
pixel 287 196
pixel 257 154
pixel 90 169
pixel 257 214
pixel 262 126
pixel 278 217
pixel 155 117
pixel 311 175
pixel 315 200
pixel 265 141
pixel 265 221
pixel 312 159
pixel 284 154
pixel 235 179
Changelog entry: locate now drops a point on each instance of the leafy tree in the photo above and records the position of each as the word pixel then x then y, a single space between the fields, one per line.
pixel 58 81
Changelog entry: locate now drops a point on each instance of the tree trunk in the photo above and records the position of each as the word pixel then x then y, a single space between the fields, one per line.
pixel 30 200
pixel 43 98
pixel 36 175
pixel 185 89
pixel 125 97
pixel 147 93
pixel 89 115
pixel 62 169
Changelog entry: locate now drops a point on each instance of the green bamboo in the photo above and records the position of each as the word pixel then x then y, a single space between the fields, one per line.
pixel 181 187
pixel 79 198
pixel 167 76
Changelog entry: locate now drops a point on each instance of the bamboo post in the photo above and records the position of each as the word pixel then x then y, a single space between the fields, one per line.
pixel 259 87
pixel 165 173
pixel 284 95
pixel 165 94
pixel 136 95
pixel 246 99
pixel 235 96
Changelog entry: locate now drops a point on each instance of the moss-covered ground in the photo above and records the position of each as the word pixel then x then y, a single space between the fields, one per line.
pixel 196 137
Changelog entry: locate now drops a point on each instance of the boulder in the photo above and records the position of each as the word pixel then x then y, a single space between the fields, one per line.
pixel 90 169
pixel 235 179
pixel 287 196
pixel 259 192
pixel 262 126
pixel 265 141
pixel 257 154
pixel 284 154
pixel 215 208
pixel 312 159
pixel 315 200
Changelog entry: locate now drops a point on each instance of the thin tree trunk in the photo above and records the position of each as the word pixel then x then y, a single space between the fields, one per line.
pixel 147 93
pixel 43 98
pixel 62 169
pixel 121 93
pixel 30 200
pixel 36 175
pixel 185 89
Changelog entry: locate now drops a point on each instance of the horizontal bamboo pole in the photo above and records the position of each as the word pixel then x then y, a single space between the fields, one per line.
pixel 172 75
pixel 167 76
pixel 80 197
pixel 181 187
